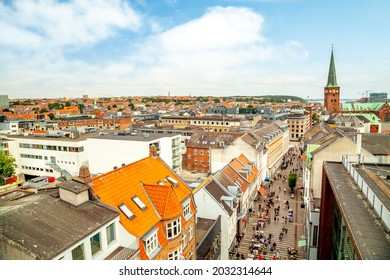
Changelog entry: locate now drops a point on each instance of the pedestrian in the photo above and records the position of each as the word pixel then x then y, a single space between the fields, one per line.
pixel 286 230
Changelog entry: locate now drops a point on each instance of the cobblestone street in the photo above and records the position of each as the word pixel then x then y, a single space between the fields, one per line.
pixel 294 228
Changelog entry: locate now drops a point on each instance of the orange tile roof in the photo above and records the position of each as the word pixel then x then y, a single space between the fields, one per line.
pixel 239 163
pixel 229 172
pixel 120 185
pixel 165 200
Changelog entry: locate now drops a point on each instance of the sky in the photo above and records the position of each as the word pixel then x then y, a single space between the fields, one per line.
pixel 110 48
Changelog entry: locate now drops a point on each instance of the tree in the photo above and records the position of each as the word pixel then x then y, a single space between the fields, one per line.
pixel 216 100
pixel 81 107
pixel 7 167
pixel 67 104
pixel 43 110
pixel 109 108
pixel 132 107
pixel 51 116
pixel 292 180
pixel 315 117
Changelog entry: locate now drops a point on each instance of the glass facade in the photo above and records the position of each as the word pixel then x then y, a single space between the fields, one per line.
pixel 342 246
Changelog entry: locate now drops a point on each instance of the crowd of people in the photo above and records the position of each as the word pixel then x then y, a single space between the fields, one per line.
pixel 263 244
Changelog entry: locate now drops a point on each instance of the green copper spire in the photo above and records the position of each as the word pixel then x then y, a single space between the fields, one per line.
pixel 332 81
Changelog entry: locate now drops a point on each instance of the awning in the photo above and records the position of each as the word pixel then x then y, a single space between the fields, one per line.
pixel 262 191
pixel 301 242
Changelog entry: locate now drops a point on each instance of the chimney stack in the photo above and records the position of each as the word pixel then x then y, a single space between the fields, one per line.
pixel 153 151
pixel 84 174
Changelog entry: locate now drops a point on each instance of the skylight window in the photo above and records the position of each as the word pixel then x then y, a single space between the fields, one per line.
pixel 139 203
pixel 126 211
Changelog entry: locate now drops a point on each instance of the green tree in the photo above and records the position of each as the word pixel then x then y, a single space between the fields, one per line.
pixel 292 180
pixel 315 117
pixel 108 107
pixel 216 100
pixel 43 110
pixel 67 104
pixel 51 116
pixel 114 106
pixel 132 107
pixel 7 167
pixel 81 107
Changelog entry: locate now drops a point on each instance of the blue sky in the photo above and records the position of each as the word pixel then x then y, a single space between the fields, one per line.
pixel 147 47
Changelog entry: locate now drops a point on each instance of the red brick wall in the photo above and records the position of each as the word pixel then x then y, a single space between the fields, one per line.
pixel 194 159
pixel 332 100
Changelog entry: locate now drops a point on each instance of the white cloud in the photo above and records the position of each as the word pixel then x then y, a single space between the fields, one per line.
pixel 62 24
pixel 222 52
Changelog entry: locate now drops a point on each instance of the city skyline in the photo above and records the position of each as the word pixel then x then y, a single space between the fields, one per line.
pixel 208 48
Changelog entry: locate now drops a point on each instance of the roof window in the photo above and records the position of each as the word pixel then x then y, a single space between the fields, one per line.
pixel 139 203
pixel 126 211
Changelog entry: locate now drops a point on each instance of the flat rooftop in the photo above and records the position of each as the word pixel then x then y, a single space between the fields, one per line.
pixel 144 136
pixel 43 225
pixel 368 233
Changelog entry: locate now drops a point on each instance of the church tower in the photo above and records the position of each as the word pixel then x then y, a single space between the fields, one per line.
pixel 332 90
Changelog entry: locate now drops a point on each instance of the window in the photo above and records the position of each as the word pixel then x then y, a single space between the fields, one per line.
pixel 126 211
pixel 139 203
pixel 78 252
pixel 190 232
pixel 175 255
pixel 186 209
pixel 195 162
pixel 174 228
pixel 195 152
pixel 315 233
pixel 110 231
pixel 95 244
pixel 189 156
pixel 184 239
pixel 201 152
pixel 151 243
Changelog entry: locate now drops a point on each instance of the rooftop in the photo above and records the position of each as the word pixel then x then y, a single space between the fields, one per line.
pixel 370 236
pixel 43 225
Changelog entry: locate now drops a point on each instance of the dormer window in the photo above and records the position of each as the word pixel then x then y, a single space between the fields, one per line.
pixel 126 211
pixel 174 228
pixel 187 214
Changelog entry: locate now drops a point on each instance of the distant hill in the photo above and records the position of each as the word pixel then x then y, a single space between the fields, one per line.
pixel 270 98
pixel 284 97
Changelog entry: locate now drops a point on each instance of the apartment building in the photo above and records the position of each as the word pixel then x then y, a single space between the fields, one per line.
pixel 207 123
pixel 121 148
pixel 298 125
pixel 198 155
pixel 155 206
pixel 58 153
pixel 61 223
pixel 355 210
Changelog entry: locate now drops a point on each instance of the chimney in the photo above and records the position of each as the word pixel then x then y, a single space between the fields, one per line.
pixel 153 151
pixel 84 174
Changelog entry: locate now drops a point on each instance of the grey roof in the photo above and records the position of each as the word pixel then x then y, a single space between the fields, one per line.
pixel 327 140
pixel 317 132
pixel 140 137
pixel 267 132
pixel 43 225
pixel 376 144
pixel 203 139
pixel 218 192
pixel 367 232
